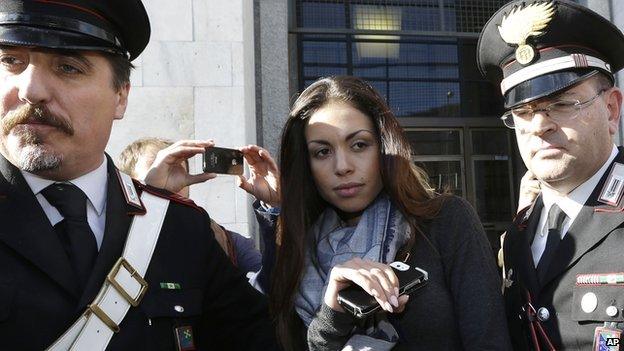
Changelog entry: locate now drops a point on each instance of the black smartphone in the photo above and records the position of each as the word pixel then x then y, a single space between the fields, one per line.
pixel 359 303
pixel 223 161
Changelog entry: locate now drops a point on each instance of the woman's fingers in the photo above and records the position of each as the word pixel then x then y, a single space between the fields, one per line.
pixel 252 154
pixel 403 300
pixel 377 279
pixel 386 285
pixel 244 184
pixel 266 156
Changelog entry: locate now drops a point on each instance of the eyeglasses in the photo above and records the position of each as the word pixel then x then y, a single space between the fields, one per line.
pixel 558 111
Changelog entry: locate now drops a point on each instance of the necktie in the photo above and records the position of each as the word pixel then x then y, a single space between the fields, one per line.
pixel 74 231
pixel 555 223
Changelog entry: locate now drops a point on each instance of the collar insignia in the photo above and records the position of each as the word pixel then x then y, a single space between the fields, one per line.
pixel 524 22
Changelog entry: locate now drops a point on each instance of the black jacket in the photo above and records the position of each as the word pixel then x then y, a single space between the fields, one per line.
pixel 594 244
pixel 39 298
pixel 460 308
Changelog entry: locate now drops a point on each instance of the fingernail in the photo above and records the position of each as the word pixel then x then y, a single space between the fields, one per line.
pixel 388 307
pixel 394 301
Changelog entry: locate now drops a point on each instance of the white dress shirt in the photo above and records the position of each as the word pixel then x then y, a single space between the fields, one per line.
pixel 571 204
pixel 93 184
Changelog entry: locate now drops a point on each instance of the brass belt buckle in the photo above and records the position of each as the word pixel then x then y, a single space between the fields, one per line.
pixel 122 262
pixel 96 310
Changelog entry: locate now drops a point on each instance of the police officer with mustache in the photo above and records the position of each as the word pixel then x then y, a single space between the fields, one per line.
pixel 89 258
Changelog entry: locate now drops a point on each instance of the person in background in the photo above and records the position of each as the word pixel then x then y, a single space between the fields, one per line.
pixel 136 160
pixel 529 190
pixel 555 62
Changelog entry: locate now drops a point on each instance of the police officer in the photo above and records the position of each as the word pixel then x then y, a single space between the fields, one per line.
pixel 554 61
pixel 66 212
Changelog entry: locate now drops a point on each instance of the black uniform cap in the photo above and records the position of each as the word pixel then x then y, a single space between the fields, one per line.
pixel 565 44
pixel 117 26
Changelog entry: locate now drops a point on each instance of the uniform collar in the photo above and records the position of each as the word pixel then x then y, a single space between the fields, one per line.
pixel 573 202
pixel 93 184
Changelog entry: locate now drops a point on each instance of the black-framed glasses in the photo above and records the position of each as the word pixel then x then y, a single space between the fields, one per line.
pixel 558 111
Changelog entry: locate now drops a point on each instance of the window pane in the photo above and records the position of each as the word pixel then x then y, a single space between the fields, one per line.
pixel 493 198
pixel 439 142
pixel 444 175
pixel 490 142
pixel 317 14
pixel 416 15
pixel 426 99
pixel 324 58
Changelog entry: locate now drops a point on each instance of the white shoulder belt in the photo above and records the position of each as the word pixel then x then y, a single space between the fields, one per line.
pixel 124 285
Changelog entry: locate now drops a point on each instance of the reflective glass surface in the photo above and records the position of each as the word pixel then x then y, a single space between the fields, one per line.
pixel 435 142
pixel 444 175
pixel 492 184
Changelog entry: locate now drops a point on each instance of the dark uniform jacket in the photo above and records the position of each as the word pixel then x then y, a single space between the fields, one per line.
pixel 594 244
pixel 39 298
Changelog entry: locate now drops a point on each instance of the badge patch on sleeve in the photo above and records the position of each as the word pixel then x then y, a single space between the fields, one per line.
pixel 184 338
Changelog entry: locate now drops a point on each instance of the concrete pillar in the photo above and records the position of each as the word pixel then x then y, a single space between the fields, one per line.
pixel 273 75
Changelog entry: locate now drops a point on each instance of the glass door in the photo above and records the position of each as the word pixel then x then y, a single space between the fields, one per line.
pixel 492 180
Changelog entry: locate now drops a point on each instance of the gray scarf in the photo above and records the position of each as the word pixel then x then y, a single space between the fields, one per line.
pixel 380 232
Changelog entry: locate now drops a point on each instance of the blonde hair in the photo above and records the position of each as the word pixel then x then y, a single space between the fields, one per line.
pixel 128 158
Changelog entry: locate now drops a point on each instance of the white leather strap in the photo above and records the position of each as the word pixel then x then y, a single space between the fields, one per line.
pixel 92 330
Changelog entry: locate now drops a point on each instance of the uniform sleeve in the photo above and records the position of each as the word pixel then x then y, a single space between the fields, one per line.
pixel 235 315
pixel 473 278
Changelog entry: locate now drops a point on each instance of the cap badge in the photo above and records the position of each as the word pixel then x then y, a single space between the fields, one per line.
pixel 524 22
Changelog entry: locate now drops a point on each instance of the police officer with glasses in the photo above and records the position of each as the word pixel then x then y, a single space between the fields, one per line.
pixel 562 258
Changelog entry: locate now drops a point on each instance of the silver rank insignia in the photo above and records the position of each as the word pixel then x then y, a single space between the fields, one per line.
pixel 613 189
pixel 524 22
pixel 129 191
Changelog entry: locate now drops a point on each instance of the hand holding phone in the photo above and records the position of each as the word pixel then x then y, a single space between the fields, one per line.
pixel 361 304
pixel 263 181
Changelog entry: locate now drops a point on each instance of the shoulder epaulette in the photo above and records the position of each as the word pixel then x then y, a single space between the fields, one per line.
pixel 166 194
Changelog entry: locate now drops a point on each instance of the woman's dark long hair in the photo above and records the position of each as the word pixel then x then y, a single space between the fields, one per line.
pixel 301 203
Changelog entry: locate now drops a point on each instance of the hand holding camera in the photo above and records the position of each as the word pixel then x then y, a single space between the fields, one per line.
pixel 263 182
pixel 167 170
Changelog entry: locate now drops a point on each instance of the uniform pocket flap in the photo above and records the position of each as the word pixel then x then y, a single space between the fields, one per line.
pixel 601 303
pixel 172 303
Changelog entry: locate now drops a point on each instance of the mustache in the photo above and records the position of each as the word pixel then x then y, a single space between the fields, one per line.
pixel 35 114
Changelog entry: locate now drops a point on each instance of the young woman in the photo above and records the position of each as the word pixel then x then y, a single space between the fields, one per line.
pixel 351 202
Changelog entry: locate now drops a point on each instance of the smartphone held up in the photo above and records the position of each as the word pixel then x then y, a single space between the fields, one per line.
pixel 223 161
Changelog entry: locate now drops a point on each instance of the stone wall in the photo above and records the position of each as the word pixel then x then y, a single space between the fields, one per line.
pixel 195 80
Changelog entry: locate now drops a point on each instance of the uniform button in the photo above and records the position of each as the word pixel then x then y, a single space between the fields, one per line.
pixel 178 308
pixel 589 302
pixel 543 314
pixel 612 311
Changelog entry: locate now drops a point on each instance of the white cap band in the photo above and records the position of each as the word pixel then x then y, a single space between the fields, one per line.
pixel 552 65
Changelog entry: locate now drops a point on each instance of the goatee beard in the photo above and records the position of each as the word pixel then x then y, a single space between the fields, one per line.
pixel 27 149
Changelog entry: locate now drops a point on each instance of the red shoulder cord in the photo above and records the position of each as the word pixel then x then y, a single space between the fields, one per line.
pixel 535 326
